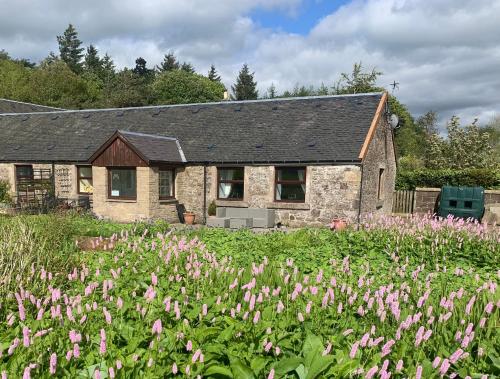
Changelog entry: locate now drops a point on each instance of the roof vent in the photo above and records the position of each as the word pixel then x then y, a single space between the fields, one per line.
pixel 17 147
pixel 86 115
pixel 237 108
pixel 88 147
pixel 156 112
pixel 311 144
pixel 318 105
pixel 51 147
pixel 275 108
pixel 259 146
pixel 359 102
pixel 55 117
pixel 120 114
pixel 25 118
pixel 211 146
pixel 195 110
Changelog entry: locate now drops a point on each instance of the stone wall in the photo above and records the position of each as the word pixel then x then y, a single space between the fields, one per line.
pixel 146 206
pixel 66 181
pixel 331 191
pixel 427 199
pixel 380 155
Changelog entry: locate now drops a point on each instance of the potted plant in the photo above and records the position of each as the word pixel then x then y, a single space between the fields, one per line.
pixel 338 224
pixel 189 218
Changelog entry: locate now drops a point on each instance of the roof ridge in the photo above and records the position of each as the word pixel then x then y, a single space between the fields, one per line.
pixel 146 135
pixel 26 103
pixel 281 99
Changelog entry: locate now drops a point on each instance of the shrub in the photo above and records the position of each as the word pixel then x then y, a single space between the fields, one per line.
pixel 486 178
pixel 4 192
pixel 212 209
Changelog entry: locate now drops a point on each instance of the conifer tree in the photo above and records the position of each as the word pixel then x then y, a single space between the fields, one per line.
pixel 92 62
pixel 213 75
pixel 188 67
pixel 70 49
pixel 169 63
pixel 245 87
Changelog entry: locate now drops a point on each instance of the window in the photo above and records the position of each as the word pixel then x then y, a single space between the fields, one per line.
pixel 84 175
pixel 231 183
pixel 167 183
pixel 24 172
pixel 381 182
pixel 122 183
pixel 290 184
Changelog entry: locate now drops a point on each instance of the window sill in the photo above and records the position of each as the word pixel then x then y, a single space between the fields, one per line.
pixel 121 200
pixel 231 203
pixel 284 205
pixel 168 201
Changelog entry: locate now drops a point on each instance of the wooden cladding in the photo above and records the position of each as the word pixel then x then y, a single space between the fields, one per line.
pixel 118 154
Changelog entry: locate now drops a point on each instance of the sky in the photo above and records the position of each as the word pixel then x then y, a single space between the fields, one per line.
pixel 445 54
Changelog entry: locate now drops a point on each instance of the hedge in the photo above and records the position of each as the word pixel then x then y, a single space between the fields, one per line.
pixel 4 192
pixel 486 178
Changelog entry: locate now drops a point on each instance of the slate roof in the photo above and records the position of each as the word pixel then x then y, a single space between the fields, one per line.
pixel 12 106
pixel 310 129
pixel 151 148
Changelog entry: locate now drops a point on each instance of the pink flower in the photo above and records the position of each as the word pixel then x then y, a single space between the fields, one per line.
pixel 268 346
pixel 76 350
pixel 97 373
pixel 102 345
pixel 53 363
pixel 444 366
pixel 154 279
pixel 418 374
pixel 347 332
pixel 256 317
pixel 300 317
pixel 327 349
pixel 436 362
pixel 118 364
pixel 399 365
pixel 111 371
pixel 175 370
pixel 196 355
pixel 157 327
pixel 26 337
pixel 371 372
pixel 271 374
pixel 354 350
pixel 189 346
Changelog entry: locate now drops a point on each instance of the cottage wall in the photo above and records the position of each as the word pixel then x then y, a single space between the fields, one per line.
pixel 66 182
pixel 380 155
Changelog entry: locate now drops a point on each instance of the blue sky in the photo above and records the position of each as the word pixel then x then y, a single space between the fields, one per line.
pixel 301 21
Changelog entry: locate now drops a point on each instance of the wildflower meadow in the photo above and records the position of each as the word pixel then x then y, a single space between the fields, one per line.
pixel 397 298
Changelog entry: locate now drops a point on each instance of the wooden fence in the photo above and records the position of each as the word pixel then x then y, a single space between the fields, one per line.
pixel 403 201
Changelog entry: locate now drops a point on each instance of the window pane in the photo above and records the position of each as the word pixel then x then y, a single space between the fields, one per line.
pixel 85 172
pixel 231 174
pixel 166 184
pixel 292 192
pixel 24 171
pixel 231 190
pixel 85 186
pixel 291 174
pixel 123 183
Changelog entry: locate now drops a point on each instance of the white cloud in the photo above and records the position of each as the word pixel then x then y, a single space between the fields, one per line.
pixel 444 53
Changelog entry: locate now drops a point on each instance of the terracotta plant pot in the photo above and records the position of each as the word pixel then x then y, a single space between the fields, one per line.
pixel 189 218
pixel 338 224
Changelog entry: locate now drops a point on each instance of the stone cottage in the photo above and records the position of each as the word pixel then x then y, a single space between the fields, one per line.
pixel 309 159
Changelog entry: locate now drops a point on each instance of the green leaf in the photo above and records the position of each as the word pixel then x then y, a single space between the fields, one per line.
pixel 257 364
pixel 240 370
pixel 218 372
pixel 313 346
pixel 287 365
pixel 319 365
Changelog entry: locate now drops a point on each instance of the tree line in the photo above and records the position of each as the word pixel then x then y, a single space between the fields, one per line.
pixel 80 77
